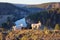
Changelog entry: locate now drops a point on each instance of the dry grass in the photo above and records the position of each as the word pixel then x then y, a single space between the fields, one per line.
pixel 1 36
pixel 33 35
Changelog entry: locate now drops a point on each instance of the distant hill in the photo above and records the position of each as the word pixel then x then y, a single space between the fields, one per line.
pixel 39 7
pixel 10 9
pixel 20 5
pixel 46 5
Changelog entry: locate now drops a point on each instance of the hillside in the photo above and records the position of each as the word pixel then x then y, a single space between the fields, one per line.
pixel 8 11
pixel 40 7
pixel 48 18
pixel 46 5
pixel 11 9
pixel 33 35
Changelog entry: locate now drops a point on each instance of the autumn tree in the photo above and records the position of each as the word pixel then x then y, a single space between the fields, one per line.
pixel 57 27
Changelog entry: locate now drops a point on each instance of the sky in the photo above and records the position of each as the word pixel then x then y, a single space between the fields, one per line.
pixel 29 1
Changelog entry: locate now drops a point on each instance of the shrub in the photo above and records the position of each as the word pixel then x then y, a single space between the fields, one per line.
pixel 57 27
pixel 46 31
pixel 24 38
pixel 45 28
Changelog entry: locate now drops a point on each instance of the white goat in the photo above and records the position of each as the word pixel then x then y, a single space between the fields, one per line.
pixel 14 28
pixel 36 25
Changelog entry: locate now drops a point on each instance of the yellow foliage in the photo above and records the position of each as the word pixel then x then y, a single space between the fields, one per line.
pixel 57 27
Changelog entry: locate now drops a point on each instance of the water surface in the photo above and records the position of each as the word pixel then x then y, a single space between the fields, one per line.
pixel 20 23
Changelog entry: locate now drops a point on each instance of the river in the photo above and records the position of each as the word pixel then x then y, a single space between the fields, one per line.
pixel 20 23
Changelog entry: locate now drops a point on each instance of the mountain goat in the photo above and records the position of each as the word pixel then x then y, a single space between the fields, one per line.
pixel 36 25
pixel 14 28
